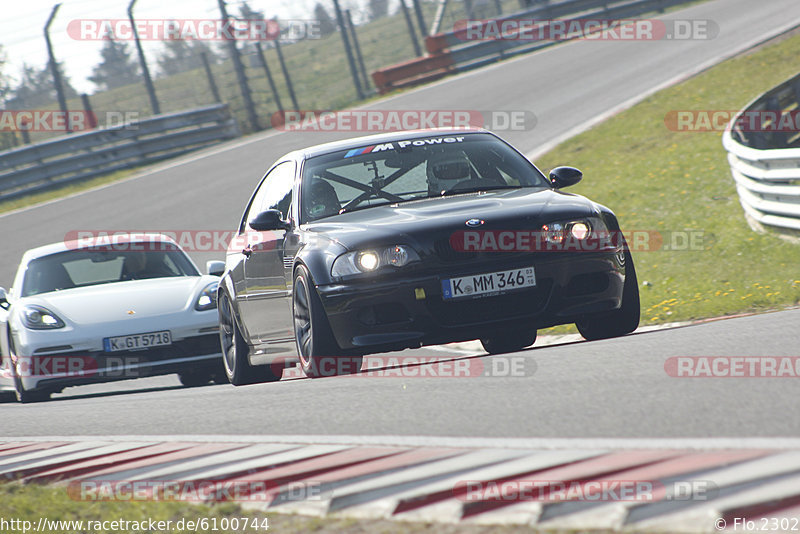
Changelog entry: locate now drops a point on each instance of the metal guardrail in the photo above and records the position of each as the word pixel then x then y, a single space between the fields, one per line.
pixel 765 157
pixel 79 156
pixel 449 52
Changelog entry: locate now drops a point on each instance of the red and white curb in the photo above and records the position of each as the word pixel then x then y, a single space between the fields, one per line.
pixel 682 485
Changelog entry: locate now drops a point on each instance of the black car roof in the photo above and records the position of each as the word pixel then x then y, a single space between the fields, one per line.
pixel 355 142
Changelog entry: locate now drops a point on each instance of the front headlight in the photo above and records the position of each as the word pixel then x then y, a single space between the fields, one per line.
pixel 40 318
pixel 370 260
pixel 207 299
pixel 578 230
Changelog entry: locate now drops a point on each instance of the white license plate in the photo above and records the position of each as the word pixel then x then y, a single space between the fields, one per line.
pixel 486 283
pixel 137 341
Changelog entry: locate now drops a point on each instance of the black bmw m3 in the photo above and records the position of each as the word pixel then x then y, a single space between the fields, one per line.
pixel 415 238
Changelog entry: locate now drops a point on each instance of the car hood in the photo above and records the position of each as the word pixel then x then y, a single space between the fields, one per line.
pixel 421 221
pixel 114 301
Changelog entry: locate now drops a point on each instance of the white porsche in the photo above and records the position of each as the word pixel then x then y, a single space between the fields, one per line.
pixel 82 313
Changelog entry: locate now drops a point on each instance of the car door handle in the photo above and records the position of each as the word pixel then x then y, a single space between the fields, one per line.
pixel 247 251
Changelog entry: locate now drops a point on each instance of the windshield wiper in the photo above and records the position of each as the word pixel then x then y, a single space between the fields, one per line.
pixel 361 207
pixel 457 191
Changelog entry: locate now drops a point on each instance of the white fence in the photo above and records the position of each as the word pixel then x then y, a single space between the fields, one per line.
pixel 763 145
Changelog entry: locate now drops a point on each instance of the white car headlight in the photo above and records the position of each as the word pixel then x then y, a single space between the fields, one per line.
pixel 580 230
pixel 40 318
pixel 207 299
pixel 370 260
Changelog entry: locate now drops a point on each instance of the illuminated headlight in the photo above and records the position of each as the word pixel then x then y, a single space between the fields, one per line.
pixel 365 261
pixel 207 299
pixel 40 318
pixel 579 230
pixel 557 233
pixel 368 261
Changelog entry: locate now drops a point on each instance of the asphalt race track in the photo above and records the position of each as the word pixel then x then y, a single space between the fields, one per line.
pixel 615 389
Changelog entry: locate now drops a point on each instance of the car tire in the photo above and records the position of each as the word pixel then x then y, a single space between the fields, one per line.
pixel 236 352
pixel 319 353
pixel 621 321
pixel 191 380
pixel 508 342
pixel 23 395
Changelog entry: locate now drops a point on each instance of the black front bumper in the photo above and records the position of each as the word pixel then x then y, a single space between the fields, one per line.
pixel 392 313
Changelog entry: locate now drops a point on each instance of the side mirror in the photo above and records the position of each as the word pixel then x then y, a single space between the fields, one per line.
pixel 565 177
pixel 268 220
pixel 215 267
pixel 4 299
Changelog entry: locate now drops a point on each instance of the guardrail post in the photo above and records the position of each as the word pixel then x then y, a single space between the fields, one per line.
pixel 351 27
pixel 247 97
pixel 348 52
pixel 420 18
pixel 212 84
pixel 270 81
pixel 148 81
pixel 286 76
pixel 62 101
pixel 87 107
pixel 411 32
pixel 439 17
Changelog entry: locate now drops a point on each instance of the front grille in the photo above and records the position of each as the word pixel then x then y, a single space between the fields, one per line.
pixel 486 309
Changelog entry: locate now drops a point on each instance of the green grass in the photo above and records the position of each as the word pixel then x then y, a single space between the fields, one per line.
pixel 659 180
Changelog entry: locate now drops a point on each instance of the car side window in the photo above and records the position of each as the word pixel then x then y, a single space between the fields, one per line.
pixel 275 192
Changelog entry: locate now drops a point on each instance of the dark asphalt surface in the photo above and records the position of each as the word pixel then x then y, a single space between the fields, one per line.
pixel 616 388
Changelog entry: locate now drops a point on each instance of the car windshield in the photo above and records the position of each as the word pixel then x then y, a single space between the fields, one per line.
pixel 102 265
pixel 413 169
